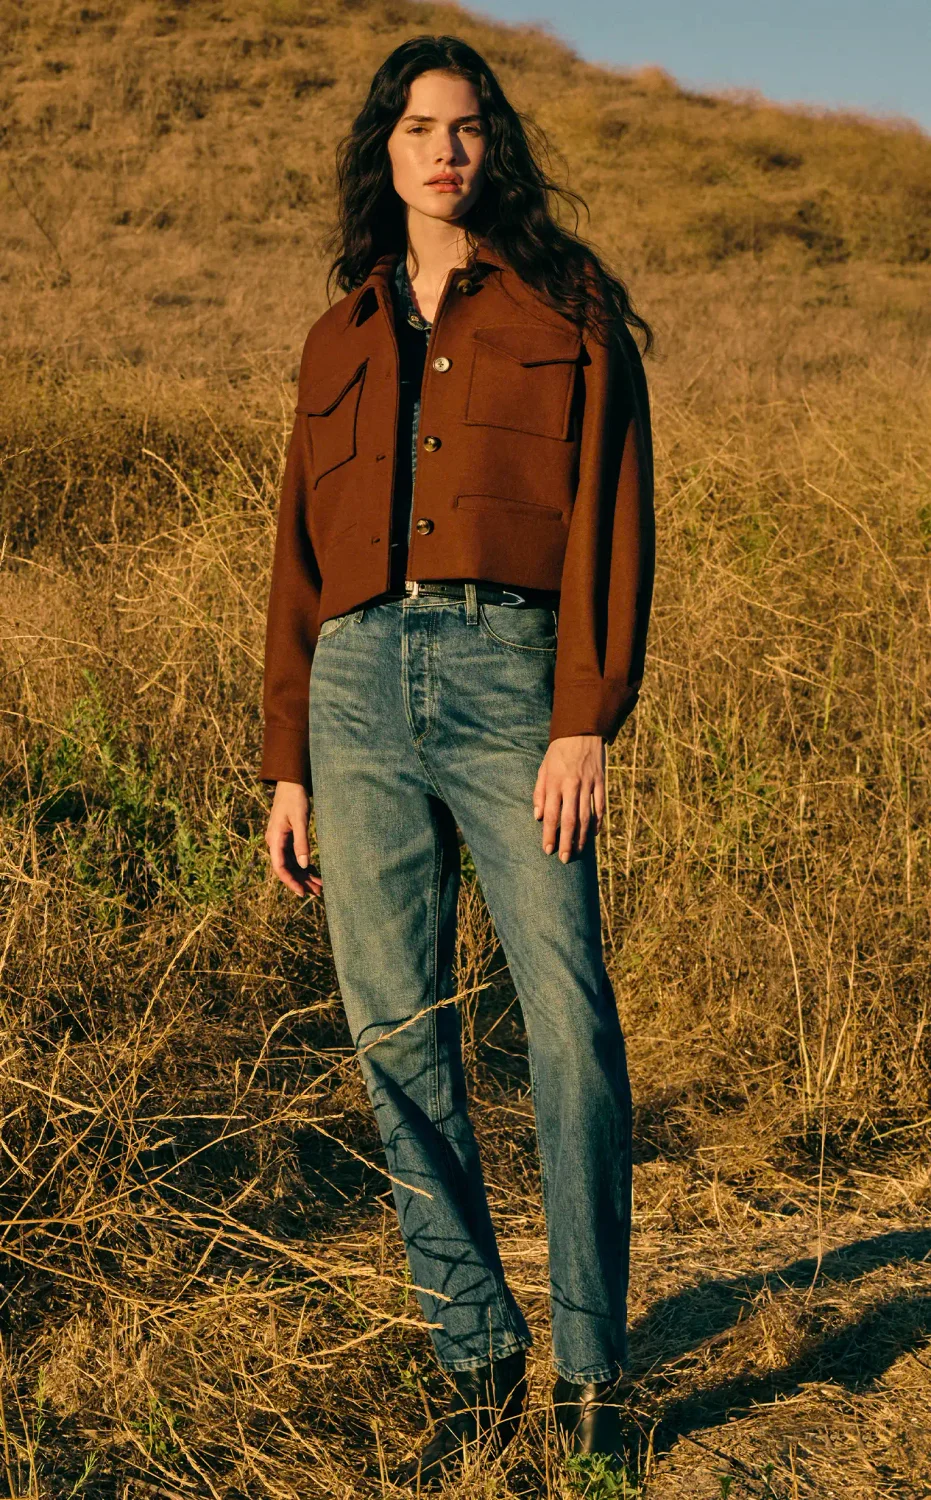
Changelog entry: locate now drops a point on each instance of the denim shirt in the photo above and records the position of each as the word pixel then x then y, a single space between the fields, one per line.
pixel 413 332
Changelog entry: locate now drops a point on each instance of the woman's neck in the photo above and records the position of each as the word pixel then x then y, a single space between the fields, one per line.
pixel 434 248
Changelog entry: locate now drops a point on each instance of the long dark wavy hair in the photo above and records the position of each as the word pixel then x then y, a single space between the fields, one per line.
pixel 514 210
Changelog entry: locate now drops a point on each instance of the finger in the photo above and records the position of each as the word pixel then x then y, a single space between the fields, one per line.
pixel 569 822
pixel 306 881
pixel 301 845
pixel 276 838
pixel 600 801
pixel 289 880
pixel 279 841
pixel 539 792
pixel 585 817
pixel 551 810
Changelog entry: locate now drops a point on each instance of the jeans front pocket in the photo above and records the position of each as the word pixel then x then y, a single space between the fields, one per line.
pixel 520 629
pixel 337 623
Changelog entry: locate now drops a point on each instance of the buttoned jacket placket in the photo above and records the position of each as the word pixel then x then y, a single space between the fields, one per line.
pixel 420 330
pixel 459 283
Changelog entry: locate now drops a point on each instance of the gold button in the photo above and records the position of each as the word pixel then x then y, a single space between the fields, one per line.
pixel 425 526
pixel 464 285
pixel 441 363
pixel 431 444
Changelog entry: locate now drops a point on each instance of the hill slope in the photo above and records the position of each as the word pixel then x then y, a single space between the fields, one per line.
pixel 167 168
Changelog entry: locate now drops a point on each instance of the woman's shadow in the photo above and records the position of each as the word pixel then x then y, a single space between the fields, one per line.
pixel 853 1355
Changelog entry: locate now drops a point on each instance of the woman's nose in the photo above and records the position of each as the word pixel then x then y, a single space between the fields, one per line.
pixel 450 150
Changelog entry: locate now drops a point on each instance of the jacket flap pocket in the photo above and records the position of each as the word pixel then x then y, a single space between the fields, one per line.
pixel 326 390
pixel 533 344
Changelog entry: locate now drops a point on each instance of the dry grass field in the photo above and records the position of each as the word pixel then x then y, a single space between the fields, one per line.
pixel 204 1293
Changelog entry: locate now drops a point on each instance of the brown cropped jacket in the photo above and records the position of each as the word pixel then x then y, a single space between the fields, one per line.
pixel 534 468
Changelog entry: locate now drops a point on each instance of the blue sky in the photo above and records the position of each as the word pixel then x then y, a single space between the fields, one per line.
pixel 873 55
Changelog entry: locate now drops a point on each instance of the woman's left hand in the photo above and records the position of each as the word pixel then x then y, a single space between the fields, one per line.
pixel 570 792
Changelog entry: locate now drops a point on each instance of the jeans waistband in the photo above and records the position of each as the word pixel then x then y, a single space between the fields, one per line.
pixel 485 593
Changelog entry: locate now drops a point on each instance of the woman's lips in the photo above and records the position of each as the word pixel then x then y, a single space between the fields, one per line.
pixel 445 184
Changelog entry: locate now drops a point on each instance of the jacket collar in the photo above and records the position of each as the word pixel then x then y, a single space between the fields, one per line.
pixel 377 281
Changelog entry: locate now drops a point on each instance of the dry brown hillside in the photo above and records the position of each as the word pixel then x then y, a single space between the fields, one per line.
pixel 168 168
pixel 203 1290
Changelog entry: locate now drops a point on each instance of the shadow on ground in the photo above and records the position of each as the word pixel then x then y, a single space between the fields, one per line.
pixel 854 1355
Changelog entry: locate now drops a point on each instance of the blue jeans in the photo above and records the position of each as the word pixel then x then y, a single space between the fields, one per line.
pixel 425 714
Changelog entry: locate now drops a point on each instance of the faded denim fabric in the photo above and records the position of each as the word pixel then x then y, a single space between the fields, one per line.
pixel 425 714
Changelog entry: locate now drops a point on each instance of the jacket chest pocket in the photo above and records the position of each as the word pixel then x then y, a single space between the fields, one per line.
pixel 332 409
pixel 522 378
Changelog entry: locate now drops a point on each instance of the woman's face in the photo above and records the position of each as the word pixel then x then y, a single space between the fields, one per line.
pixel 437 148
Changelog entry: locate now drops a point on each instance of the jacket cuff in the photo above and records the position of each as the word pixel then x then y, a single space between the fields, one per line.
pixel 591 708
pixel 285 755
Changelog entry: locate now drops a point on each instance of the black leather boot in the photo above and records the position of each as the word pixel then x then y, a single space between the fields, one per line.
pixel 485 1409
pixel 588 1416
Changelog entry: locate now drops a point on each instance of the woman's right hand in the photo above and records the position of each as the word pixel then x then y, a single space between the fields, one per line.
pixel 286 837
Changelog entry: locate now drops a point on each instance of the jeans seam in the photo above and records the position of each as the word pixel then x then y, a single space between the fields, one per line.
pixel 533 1097
pixel 405 655
pixel 434 966
pixel 431 653
pixel 430 697
pixel 416 740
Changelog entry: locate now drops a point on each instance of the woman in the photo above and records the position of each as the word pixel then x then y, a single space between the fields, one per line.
pixel 485 353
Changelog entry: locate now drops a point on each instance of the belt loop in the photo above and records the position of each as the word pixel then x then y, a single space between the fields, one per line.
pixel 471 603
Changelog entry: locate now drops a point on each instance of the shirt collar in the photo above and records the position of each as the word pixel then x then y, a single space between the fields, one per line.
pixel 408 307
pixel 386 266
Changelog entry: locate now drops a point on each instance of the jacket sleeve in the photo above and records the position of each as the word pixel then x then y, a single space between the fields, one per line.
pixel 607 579
pixel 292 623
